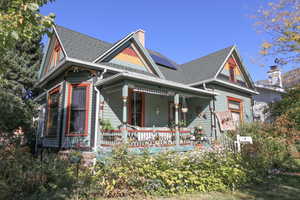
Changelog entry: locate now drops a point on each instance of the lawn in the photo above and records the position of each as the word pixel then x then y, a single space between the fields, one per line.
pixel 279 187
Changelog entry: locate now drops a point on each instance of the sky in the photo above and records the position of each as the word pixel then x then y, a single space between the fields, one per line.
pixel 182 30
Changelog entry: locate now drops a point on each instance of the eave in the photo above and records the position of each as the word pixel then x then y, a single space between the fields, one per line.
pixel 226 84
pixel 155 81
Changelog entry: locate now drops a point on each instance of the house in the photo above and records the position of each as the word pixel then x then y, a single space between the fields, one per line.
pixel 98 94
pixel 270 91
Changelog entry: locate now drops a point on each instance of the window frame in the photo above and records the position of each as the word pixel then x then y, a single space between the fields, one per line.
pixel 130 107
pixel 240 111
pixel 51 92
pixel 55 56
pixel 87 110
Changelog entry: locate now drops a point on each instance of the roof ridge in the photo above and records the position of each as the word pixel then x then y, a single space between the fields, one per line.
pixel 196 59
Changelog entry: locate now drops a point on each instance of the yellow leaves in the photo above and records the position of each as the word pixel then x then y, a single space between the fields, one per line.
pixel 266 45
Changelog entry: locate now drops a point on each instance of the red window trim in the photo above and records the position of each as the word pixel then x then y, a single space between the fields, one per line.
pixel 240 111
pixel 54 55
pixel 70 89
pixel 53 91
pixel 130 93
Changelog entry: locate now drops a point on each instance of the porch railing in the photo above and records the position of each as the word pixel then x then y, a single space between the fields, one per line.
pixel 145 138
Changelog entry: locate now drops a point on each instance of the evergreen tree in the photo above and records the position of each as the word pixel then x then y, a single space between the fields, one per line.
pixel 16 106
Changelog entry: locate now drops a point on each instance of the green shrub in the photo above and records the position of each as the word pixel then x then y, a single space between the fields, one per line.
pixel 169 173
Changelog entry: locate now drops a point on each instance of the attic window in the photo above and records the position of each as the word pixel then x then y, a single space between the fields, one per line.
pixel 232 66
pixel 56 57
pixel 231 74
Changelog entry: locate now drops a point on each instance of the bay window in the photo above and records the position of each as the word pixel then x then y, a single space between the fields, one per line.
pixel 53 109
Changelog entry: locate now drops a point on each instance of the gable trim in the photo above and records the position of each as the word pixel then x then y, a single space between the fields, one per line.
pixel 139 46
pixel 224 62
pixel 241 67
pixel 54 34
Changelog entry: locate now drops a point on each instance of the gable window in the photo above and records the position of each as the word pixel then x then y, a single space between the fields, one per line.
pixel 78 109
pixel 231 74
pixel 56 57
pixel 236 108
pixel 136 108
pixel 53 108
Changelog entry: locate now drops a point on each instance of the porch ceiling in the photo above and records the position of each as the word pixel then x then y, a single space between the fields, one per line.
pixel 156 82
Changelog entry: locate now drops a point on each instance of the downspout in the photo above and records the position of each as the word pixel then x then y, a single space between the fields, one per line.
pixel 97 110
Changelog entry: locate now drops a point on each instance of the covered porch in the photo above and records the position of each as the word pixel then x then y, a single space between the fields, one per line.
pixel 150 112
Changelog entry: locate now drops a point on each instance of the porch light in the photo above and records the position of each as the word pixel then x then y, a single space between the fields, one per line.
pixel 184 110
pixel 157 111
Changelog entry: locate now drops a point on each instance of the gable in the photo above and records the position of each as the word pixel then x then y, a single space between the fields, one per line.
pixel 129 56
pixel 54 55
pixel 232 72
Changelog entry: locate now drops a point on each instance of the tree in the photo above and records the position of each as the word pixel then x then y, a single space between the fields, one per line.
pixel 281 20
pixel 20 20
pixel 21 30
pixel 289 107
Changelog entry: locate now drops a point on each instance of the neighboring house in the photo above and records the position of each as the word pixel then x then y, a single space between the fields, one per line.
pixel 99 94
pixel 291 78
pixel 270 91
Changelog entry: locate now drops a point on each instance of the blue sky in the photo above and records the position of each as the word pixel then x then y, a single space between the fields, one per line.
pixel 182 30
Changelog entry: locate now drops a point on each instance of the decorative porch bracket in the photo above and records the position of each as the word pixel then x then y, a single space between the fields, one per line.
pixel 176 103
pixel 124 124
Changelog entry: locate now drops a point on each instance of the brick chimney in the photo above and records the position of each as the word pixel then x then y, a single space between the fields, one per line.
pixel 141 36
pixel 274 76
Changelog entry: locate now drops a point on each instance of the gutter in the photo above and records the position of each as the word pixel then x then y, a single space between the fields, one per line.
pixel 226 84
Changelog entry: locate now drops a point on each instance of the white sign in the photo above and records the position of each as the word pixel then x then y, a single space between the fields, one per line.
pixel 245 139
pixel 242 139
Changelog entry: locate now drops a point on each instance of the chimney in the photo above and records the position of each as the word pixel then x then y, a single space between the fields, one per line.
pixel 274 75
pixel 141 36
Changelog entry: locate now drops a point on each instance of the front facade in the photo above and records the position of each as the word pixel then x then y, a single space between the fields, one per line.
pixel 99 94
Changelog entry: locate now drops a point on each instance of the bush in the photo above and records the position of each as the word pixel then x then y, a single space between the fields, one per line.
pixel 270 148
pixel 169 173
pixel 23 176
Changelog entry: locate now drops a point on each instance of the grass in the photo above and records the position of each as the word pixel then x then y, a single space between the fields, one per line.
pixel 279 187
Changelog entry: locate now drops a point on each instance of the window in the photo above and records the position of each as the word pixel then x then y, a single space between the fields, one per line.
pixel 53 106
pixel 232 66
pixel 231 74
pixel 56 57
pixel 136 108
pixel 236 109
pixel 78 110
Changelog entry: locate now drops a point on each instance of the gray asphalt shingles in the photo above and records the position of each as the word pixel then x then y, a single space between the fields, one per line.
pixel 86 48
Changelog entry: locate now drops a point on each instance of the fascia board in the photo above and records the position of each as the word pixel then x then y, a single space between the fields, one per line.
pixel 162 82
pixel 114 47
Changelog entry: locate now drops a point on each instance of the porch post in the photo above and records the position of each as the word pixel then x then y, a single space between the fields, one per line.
pixel 176 104
pixel 124 119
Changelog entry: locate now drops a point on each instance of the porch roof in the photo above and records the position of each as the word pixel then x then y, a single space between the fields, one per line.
pixel 155 81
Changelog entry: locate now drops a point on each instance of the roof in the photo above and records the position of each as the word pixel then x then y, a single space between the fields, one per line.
pixel 171 84
pixel 205 67
pixel 80 46
pixel 85 48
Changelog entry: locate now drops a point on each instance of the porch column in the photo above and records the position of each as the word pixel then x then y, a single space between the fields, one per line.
pixel 124 119
pixel 176 104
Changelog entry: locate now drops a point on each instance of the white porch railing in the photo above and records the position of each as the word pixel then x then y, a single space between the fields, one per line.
pixel 146 138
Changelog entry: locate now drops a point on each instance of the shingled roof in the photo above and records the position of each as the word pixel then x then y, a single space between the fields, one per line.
pixel 86 48
pixel 205 67
pixel 80 46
